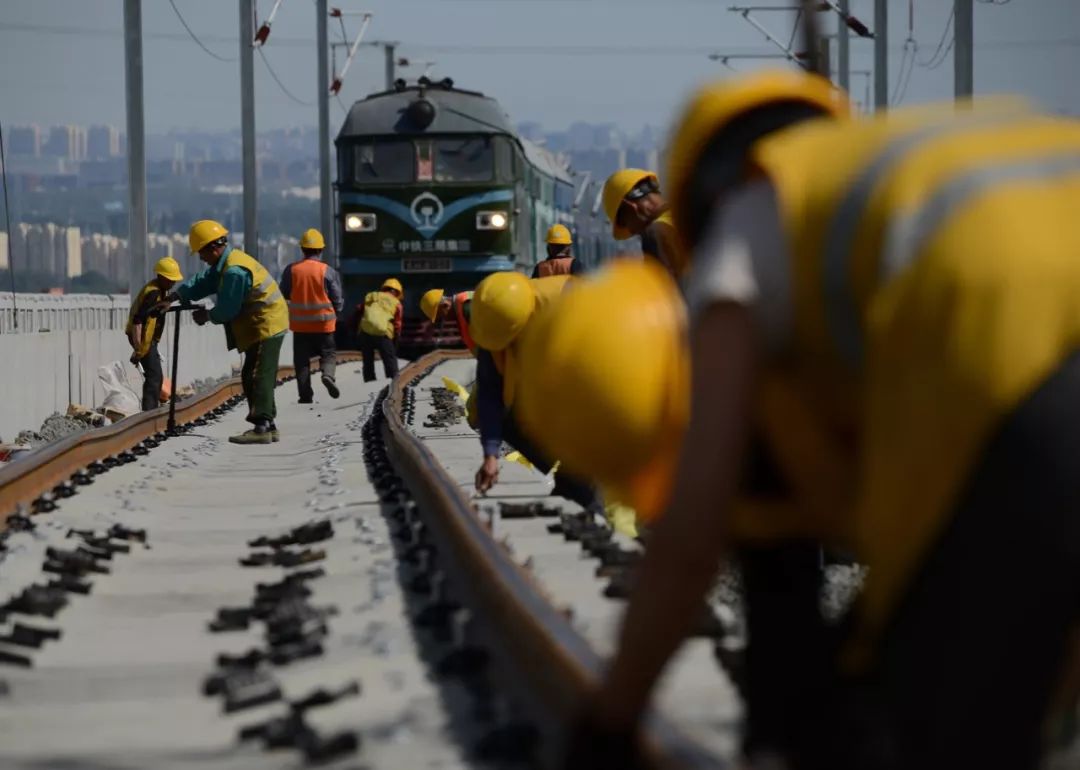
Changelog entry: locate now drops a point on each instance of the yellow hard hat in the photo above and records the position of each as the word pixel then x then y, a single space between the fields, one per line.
pixel 559 235
pixel 501 307
pixel 429 303
pixel 167 267
pixel 615 189
pixel 604 381
pixel 717 105
pixel 312 239
pixel 392 283
pixel 203 232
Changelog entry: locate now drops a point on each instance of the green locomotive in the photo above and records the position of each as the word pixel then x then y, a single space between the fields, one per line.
pixel 436 187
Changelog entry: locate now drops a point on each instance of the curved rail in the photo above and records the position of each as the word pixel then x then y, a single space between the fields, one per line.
pixel 25 480
pixel 555 661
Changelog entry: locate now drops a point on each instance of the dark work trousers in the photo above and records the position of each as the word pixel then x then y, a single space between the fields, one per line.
pixel 976 649
pixel 152 379
pixel 571 487
pixel 308 345
pixel 259 378
pixel 369 343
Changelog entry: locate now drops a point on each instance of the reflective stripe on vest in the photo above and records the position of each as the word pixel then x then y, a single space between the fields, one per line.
pixel 841 306
pixel 152 328
pixel 310 309
pixel 463 323
pixel 264 313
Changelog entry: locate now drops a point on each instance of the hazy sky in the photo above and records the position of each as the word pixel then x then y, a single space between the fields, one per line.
pixel 627 61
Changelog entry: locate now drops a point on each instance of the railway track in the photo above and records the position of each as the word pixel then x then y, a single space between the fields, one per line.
pixel 338 596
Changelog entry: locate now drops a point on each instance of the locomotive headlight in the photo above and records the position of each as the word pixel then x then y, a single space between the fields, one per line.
pixel 360 223
pixel 491 220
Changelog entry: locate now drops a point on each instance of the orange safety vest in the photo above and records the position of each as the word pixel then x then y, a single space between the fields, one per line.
pixel 462 322
pixel 554 266
pixel 310 308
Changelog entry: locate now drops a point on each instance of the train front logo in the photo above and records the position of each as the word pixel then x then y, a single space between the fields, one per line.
pixel 427 212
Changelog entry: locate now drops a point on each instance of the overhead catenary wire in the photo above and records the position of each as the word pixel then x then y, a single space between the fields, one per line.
pixel 7 219
pixel 284 90
pixel 196 37
pixel 939 54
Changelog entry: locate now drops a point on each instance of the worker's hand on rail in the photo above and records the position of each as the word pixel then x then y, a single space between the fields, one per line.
pixel 135 359
pixel 201 316
pixel 488 475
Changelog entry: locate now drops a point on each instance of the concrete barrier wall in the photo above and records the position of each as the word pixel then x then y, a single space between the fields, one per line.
pixel 41 372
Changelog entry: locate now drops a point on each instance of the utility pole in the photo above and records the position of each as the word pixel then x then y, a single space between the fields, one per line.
pixel 247 124
pixel 843 50
pixel 136 144
pixel 326 203
pixel 389 50
pixel 825 57
pixel 881 55
pixel 964 48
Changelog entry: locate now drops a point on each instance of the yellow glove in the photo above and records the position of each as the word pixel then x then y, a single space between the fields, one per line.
pixel 457 389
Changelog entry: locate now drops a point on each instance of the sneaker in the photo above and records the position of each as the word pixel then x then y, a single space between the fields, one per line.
pixel 275 434
pixel 260 434
pixel 331 386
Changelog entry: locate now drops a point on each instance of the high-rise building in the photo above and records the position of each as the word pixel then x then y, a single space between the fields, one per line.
pixel 4 242
pixel 25 142
pixel 68 142
pixel 102 142
pixel 69 253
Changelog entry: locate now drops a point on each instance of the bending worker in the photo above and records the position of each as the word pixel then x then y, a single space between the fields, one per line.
pixel 249 304
pixel 893 301
pixel 313 290
pixel 634 206
pixel 503 305
pixel 378 323
pixel 435 305
pixel 560 254
pixel 145 325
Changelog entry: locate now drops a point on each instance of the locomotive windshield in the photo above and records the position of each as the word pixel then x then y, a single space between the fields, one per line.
pixel 401 161
pixel 464 160
pixel 383 161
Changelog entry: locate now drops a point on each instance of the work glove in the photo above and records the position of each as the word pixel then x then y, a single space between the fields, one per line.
pixel 201 316
pixel 135 359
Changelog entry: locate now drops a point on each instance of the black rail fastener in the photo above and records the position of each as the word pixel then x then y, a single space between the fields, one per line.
pixel 120 532
pixel 230 619
pixel 64 490
pixel 29 636
pixel 82 478
pixel 71 583
pixel 318 750
pixel 38 600
pixel 285 654
pixel 20 523
pixel 249 659
pixel 244 689
pixel 14 659
pixel 43 504
pixel 78 562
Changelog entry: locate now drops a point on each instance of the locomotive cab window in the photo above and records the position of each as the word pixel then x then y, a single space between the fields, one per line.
pixel 464 160
pixel 383 161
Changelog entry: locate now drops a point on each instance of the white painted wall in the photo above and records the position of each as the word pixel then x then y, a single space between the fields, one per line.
pixel 53 358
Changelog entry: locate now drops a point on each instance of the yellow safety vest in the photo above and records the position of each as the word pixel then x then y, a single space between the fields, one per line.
pixel 264 313
pixel 152 329
pixel 380 307
pixel 935 285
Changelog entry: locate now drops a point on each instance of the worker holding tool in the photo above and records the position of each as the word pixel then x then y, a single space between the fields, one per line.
pixel 313 290
pixel 435 305
pixel 892 304
pixel 249 304
pixel 503 306
pixel 560 254
pixel 145 325
pixel 635 206
pixel 378 323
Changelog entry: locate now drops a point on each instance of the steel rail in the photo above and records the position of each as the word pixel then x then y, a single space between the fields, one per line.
pixel 555 662
pixel 26 479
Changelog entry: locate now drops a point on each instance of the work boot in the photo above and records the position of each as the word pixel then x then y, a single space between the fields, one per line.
pixel 331 386
pixel 306 400
pixel 260 434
